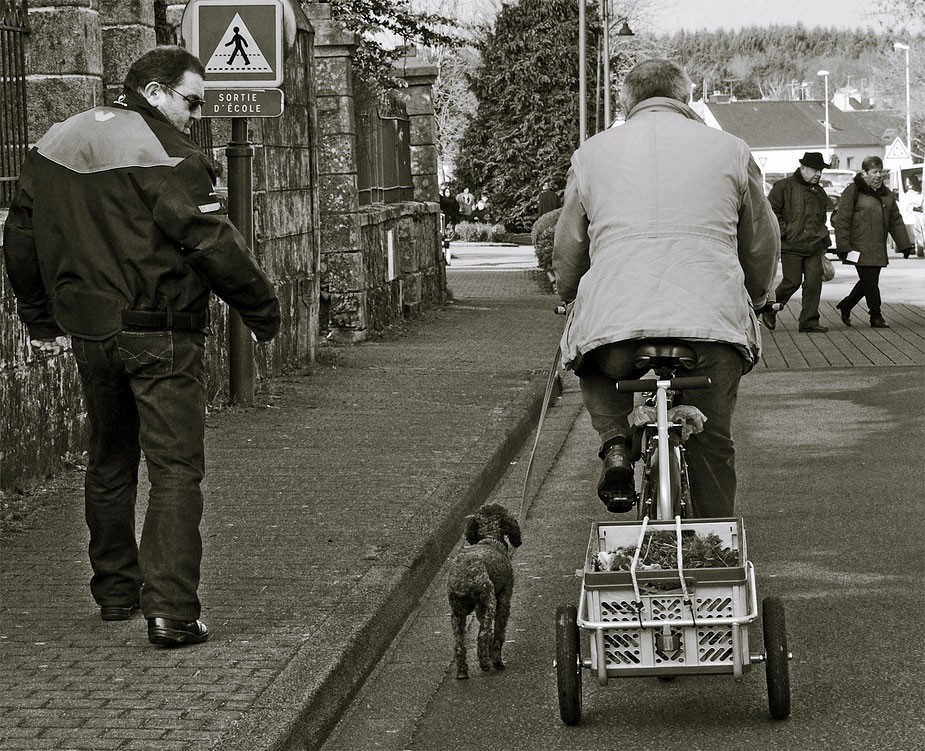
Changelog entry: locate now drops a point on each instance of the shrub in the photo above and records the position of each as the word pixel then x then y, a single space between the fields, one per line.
pixel 543 234
pixel 475 232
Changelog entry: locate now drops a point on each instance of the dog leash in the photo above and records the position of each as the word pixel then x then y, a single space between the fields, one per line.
pixel 551 381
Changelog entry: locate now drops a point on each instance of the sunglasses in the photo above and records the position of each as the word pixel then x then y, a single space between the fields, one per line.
pixel 192 100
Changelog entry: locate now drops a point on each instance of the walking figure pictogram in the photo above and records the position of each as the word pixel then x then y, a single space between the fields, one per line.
pixel 239 43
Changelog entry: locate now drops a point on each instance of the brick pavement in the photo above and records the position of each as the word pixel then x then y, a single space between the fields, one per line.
pixel 329 507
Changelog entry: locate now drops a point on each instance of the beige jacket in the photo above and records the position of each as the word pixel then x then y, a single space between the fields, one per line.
pixel 665 232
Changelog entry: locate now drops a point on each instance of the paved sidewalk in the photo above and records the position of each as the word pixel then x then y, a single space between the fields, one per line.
pixel 328 510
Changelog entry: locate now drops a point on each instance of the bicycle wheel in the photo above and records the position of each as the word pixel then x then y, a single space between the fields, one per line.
pixel 568 664
pixel 776 657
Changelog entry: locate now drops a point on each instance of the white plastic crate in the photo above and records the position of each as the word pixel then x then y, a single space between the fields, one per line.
pixel 672 639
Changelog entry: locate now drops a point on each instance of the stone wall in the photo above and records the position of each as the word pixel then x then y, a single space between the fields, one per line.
pixel 382 262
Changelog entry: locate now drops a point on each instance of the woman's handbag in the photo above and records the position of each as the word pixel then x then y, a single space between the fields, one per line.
pixel 828 270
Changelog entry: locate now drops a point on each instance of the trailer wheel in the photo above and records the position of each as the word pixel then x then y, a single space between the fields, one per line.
pixel 776 657
pixel 568 664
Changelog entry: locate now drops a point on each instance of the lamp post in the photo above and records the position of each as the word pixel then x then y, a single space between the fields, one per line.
pixel 624 31
pixel 582 77
pixel 825 76
pixel 901 46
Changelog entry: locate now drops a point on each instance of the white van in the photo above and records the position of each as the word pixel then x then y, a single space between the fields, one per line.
pixel 918 227
pixel 906 184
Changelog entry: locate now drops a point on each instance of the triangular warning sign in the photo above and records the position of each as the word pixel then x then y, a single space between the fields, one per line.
pixel 897 150
pixel 237 51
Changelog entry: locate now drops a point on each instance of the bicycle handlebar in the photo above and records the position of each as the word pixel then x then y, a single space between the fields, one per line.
pixel 682 383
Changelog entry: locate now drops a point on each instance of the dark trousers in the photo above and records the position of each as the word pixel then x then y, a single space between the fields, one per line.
pixel 868 287
pixel 710 454
pixel 805 271
pixel 145 391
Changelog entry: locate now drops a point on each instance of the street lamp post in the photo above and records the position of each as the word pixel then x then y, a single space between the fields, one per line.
pixel 582 77
pixel 825 75
pixel 605 17
pixel 901 46
pixel 624 31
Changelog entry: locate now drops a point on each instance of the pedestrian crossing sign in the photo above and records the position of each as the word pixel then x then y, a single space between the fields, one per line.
pixel 239 43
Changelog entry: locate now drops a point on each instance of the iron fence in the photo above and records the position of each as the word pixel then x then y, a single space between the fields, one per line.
pixel 14 135
pixel 383 148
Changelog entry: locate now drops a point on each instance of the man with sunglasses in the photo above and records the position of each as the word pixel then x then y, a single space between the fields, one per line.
pixel 116 238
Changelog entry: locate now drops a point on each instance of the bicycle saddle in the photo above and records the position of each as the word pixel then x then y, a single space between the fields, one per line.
pixel 656 353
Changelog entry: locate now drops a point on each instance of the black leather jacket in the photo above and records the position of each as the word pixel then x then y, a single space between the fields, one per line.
pixel 115 215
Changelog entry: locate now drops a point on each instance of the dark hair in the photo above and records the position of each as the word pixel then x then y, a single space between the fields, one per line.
pixel 656 77
pixel 165 65
pixel 871 161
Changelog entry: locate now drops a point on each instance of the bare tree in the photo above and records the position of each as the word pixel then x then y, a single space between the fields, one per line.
pixel 454 103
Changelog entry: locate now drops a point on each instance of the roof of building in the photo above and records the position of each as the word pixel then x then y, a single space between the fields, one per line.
pixel 781 124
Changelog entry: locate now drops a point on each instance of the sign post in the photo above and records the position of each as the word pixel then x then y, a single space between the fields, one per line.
pixel 240 44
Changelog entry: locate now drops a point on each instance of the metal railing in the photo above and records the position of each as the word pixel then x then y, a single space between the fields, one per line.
pixel 383 148
pixel 14 134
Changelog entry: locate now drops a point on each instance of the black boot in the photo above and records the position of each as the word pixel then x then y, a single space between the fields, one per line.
pixel 845 313
pixel 616 488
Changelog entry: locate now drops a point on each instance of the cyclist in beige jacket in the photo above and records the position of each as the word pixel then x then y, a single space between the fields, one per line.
pixel 665 233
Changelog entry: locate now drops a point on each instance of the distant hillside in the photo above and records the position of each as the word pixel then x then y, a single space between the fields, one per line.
pixel 774 62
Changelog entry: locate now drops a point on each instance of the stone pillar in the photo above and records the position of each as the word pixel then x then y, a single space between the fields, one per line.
pixel 65 62
pixel 343 276
pixel 419 102
pixel 127 33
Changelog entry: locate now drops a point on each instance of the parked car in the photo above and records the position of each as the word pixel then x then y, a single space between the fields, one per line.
pixel 770 178
pixel 834 182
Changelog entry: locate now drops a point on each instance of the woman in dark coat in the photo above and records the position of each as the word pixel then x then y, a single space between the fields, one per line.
pixel 867 213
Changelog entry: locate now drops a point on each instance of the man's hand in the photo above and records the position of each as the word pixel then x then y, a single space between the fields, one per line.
pixel 49 347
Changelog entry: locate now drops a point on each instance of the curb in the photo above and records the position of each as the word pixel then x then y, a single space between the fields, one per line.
pixel 302 705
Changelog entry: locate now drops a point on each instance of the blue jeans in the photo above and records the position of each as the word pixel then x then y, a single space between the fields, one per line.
pixel 145 391
pixel 710 454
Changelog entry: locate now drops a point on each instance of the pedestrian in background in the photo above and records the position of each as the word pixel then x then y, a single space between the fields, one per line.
pixel 449 206
pixel 480 213
pixel 867 214
pixel 642 261
pixel 800 205
pixel 116 237
pixel 547 201
pixel 466 202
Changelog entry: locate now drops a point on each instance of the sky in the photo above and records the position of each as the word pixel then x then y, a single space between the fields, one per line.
pixel 713 14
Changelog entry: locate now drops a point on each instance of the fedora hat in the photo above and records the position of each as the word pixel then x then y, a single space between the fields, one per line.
pixel 813 160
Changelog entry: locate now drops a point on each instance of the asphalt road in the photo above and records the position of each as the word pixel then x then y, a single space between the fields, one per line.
pixel 830 488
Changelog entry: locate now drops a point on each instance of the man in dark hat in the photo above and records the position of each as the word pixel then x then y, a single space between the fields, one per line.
pixel 800 205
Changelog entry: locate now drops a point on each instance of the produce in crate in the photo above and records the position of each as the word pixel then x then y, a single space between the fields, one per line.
pixel 660 551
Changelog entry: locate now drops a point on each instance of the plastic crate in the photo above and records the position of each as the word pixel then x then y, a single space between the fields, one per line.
pixel 674 640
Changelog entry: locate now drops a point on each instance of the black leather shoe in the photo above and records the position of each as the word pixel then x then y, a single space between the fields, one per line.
pixel 167 632
pixel 118 612
pixel 616 486
pixel 845 313
pixel 878 323
pixel 769 318
pixel 813 329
